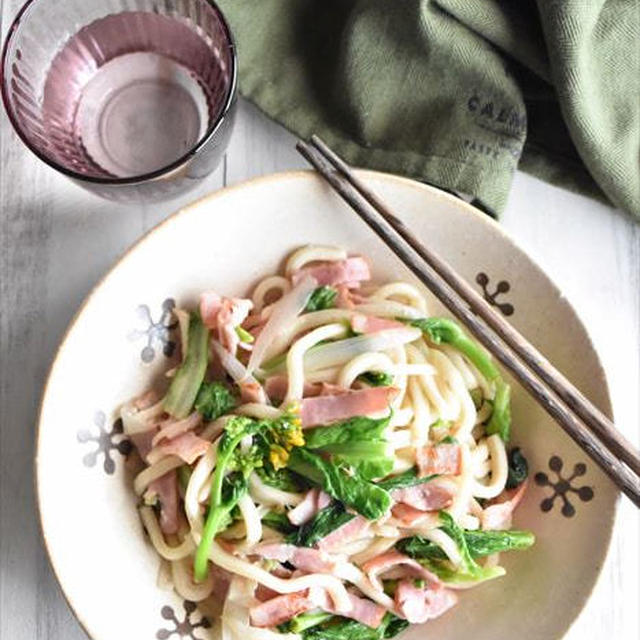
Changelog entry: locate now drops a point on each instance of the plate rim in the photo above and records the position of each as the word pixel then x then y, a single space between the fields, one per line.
pixel 293 175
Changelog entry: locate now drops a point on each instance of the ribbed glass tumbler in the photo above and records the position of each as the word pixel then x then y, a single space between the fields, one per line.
pixel 132 99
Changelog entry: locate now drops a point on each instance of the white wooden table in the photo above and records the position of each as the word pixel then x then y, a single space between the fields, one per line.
pixel 57 240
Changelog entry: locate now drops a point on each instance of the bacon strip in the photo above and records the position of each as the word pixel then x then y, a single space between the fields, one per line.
pixel 330 408
pixel 350 271
pixel 279 609
pixel 362 610
pixel 428 496
pixel 441 459
pixel 371 324
pixel 303 558
pixel 171 428
pixel 187 446
pixel 410 516
pixel 497 516
pixel 314 501
pixel 144 442
pixel 348 532
pixel 224 315
pixel 417 604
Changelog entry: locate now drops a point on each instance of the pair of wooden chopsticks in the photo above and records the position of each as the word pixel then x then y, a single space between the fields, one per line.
pixel 584 422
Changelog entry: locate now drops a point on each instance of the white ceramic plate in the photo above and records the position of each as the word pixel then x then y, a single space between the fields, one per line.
pixel 119 341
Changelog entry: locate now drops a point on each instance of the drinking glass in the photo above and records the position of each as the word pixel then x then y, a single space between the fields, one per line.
pixel 131 99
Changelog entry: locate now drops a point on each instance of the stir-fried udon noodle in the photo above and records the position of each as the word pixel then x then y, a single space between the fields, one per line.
pixel 327 459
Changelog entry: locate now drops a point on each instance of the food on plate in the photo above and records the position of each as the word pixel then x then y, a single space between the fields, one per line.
pixel 327 459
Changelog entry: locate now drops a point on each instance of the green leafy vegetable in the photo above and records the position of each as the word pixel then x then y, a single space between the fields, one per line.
pixel 222 502
pixel 321 525
pixel 214 399
pixel 358 442
pixel 276 438
pixel 278 522
pixel 480 543
pixel 338 628
pixel 469 570
pixel 444 330
pixel 376 378
pixel 500 421
pixel 185 384
pixel 244 335
pixel 518 468
pixel 283 479
pixel 448 440
pixel 322 298
pixel 408 478
pixel 304 621
pixel 366 498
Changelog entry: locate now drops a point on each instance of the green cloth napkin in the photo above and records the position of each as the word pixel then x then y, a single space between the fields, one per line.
pixel 456 92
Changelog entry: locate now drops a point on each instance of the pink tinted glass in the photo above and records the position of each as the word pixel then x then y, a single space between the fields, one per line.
pixel 133 99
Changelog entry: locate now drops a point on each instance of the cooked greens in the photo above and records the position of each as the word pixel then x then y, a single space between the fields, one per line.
pixel 518 468
pixel 408 478
pixel 500 421
pixel 321 525
pixel 338 628
pixel 358 443
pixel 479 543
pixel 322 298
pixel 222 502
pixel 278 522
pixel 185 384
pixel 366 498
pixel 376 378
pixel 214 399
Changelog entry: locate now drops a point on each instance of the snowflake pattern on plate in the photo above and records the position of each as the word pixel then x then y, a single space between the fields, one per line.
pixel 106 440
pixel 156 333
pixel 563 487
pixel 506 308
pixel 185 628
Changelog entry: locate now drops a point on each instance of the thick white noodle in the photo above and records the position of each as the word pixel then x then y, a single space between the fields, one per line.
pixel 258 411
pixel 377 547
pixel 252 521
pixel 333 585
pixel 458 361
pixel 313 253
pixel 266 286
pixel 499 470
pixel 422 417
pixel 155 471
pixel 446 543
pixel 301 325
pixel 407 293
pixel 351 573
pixel 465 482
pixel 184 584
pixel 295 357
pixel 362 363
pixel 389 309
pixel 198 482
pixel 265 494
pixel 185 548
pixel 136 421
pixel 398 356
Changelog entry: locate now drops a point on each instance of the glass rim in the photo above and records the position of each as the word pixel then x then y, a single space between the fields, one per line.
pixel 143 177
